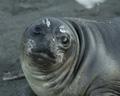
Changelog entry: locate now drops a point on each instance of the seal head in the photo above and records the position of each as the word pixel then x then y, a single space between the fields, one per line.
pixel 49 46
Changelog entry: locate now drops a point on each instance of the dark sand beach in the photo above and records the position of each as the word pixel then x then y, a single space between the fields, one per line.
pixel 16 15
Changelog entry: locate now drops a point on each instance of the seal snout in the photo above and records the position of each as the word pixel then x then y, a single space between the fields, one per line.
pixel 40 53
pixel 43 50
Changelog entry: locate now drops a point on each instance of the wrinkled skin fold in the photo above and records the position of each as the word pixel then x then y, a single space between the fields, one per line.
pixel 72 57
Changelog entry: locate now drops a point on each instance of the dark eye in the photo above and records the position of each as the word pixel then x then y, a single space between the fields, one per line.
pixel 37 30
pixel 64 40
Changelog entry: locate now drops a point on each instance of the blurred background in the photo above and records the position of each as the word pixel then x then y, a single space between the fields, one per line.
pixel 16 15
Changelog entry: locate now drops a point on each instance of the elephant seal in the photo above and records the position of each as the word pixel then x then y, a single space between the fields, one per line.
pixel 72 57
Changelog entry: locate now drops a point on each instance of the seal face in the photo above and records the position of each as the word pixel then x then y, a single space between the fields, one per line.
pixel 49 45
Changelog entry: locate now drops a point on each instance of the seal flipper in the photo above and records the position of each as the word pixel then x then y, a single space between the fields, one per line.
pixel 13 75
pixel 18 75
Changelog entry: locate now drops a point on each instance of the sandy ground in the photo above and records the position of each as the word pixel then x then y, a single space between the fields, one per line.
pixel 16 15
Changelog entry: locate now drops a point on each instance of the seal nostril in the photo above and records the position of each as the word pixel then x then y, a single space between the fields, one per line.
pixel 37 31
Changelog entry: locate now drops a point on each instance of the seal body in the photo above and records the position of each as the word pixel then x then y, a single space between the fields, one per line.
pixel 72 57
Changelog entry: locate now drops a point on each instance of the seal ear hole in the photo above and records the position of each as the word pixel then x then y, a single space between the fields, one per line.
pixel 37 30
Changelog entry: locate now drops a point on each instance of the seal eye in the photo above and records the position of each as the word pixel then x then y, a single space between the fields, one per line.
pixel 64 40
pixel 37 31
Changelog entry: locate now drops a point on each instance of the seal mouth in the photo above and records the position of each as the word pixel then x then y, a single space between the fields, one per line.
pixel 45 57
pixel 42 56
